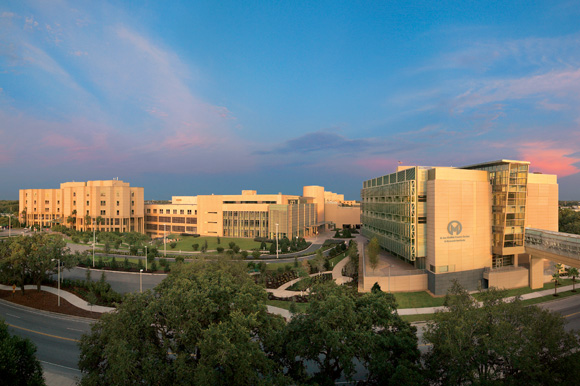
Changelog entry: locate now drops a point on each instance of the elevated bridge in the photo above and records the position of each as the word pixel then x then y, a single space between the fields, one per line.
pixel 558 247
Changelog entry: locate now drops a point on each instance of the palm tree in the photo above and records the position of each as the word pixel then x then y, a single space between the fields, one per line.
pixel 87 221
pixel 23 214
pixel 556 278
pixel 573 272
pixel 100 220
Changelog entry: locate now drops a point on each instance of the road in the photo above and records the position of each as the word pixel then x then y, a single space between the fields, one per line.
pixel 122 282
pixel 55 336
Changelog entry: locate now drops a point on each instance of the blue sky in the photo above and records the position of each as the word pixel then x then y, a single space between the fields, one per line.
pixel 199 97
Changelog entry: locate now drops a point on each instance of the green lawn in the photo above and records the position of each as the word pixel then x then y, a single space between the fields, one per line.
pixel 527 290
pixel 275 266
pixel 185 243
pixel 336 259
pixel 417 299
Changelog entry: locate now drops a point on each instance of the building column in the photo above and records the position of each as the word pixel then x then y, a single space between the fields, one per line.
pixel 536 272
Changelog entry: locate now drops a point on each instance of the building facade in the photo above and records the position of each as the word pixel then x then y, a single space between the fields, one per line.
pixel 110 205
pixel 465 224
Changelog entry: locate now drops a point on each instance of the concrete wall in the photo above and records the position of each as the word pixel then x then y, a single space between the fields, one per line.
pixel 508 278
pixel 408 283
pixel 464 196
pixel 342 215
pixel 542 202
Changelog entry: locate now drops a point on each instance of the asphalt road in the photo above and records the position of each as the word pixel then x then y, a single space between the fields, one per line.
pixel 569 308
pixel 55 336
pixel 121 282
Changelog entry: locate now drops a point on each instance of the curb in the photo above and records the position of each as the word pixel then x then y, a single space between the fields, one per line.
pixel 55 314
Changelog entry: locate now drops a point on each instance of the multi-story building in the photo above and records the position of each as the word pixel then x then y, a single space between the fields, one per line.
pixel 464 224
pixel 177 216
pixel 110 205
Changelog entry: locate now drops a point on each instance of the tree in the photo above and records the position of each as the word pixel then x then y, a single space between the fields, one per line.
pixel 32 258
pixel 573 273
pixel 256 254
pixel 499 340
pixel 87 221
pixel 205 324
pixel 218 239
pixel 18 363
pixel 373 250
pixel 556 278
pixel 341 326
pixel 337 234
pixel 272 249
pixel 263 246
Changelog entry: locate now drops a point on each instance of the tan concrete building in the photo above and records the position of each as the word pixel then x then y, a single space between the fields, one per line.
pixel 466 224
pixel 178 216
pixel 117 205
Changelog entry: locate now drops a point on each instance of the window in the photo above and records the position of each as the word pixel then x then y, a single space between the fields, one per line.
pixel 132 211
pixel 34 202
pixel 422 220
pixel 160 211
pixel 103 203
pixel 58 202
pixel 74 194
pixel 46 209
pixel 103 212
pixel 117 203
pixel 132 194
pixel 46 202
pixel 57 210
pixel 74 203
pixel 87 203
pixel 154 210
pixel 174 211
pixel 189 211
pixel 181 211
pixel 132 203
pixel 148 210
pixel 117 213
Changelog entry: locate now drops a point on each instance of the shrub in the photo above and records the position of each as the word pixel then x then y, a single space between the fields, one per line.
pixel 140 264
pixel 263 246
pixel 162 262
pixel 232 244
pixel 220 249
pixel 236 248
pixel 154 266
pixel 195 247
pixel 256 254
pixel 114 264
pixel 179 259
pixel 173 244
pixel 126 264
pixel 167 268
pixel 244 254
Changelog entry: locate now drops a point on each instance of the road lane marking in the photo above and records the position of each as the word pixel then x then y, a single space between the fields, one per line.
pixel 43 333
pixel 14 316
pixel 575 313
pixel 74 329
pixel 64 367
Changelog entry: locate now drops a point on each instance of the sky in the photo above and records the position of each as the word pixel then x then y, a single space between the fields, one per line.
pixel 200 97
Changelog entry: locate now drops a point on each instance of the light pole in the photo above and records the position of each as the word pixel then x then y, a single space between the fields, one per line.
pixel 165 240
pixel 146 258
pixel 58 278
pixel 276 240
pixel 9 225
pixel 141 280
pixel 94 241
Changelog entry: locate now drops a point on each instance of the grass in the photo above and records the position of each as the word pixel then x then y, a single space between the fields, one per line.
pixel 527 290
pixel 417 318
pixel 336 259
pixel 275 266
pixel 185 243
pixel 417 300
pixel 303 307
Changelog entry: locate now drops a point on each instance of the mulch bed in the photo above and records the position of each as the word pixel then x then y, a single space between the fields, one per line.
pixel 46 301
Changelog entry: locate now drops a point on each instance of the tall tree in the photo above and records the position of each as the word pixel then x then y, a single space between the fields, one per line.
pixel 573 273
pixel 373 250
pixel 340 327
pixel 206 324
pixel 18 363
pixel 497 341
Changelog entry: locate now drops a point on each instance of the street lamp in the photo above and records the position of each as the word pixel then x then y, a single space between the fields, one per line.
pixel 276 240
pixel 165 240
pixel 58 278
pixel 94 241
pixel 141 280
pixel 9 225
pixel 146 256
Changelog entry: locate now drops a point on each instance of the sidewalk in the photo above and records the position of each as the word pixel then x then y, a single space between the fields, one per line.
pixel 71 298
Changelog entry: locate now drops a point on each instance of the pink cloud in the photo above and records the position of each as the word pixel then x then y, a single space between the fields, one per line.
pixel 549 157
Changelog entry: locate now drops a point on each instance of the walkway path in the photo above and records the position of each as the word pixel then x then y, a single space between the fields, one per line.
pixel 69 297
pixel 279 292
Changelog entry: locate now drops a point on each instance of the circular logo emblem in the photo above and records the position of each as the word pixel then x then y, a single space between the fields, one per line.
pixel 454 228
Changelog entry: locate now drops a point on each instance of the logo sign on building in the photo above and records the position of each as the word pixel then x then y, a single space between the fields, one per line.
pixel 454 228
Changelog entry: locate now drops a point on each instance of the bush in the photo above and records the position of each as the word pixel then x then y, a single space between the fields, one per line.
pixel 244 254
pixel 256 254
pixel 232 244
pixel 220 249
pixel 179 259
pixel 126 264
pixel 173 244
pixel 236 248
pixel 195 247
pixel 114 264
pixel 167 268
pixel 162 262
pixel 140 264
pixel 154 266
